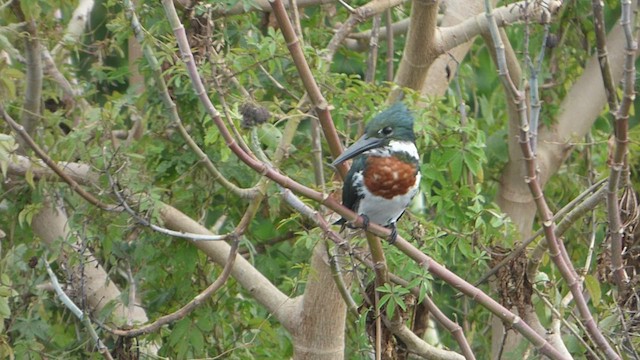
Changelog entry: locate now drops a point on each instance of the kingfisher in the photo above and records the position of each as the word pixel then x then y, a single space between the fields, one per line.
pixel 385 174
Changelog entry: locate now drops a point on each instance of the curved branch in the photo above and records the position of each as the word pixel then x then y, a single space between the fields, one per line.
pixel 190 306
pixel 418 346
pixel 173 112
pixel 254 282
pixel 449 37
pixel 357 16
pixel 52 164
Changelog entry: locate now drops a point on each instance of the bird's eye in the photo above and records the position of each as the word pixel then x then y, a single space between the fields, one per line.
pixel 386 131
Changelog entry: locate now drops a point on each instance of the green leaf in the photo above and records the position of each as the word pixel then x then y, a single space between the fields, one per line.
pixel 391 306
pixel 5 310
pixel 456 166
pixel 28 177
pixel 593 287
pixel 28 212
pixel 196 340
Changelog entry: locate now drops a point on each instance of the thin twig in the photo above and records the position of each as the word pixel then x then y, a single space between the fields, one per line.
pixel 313 90
pixel 559 317
pixel 52 164
pixel 102 349
pixel 390 32
pixel 572 208
pixel 190 306
pixel 558 252
pixel 372 58
pixel 142 221
pixel 336 271
pixel 171 108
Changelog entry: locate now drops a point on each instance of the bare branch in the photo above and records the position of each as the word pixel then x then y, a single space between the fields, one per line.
pixel 357 16
pixel 53 165
pixel 419 51
pixel 420 347
pixel 621 129
pixel 558 252
pixel 102 349
pixel 31 111
pixel 318 100
pixel 172 110
pixel 191 305
pixel 76 25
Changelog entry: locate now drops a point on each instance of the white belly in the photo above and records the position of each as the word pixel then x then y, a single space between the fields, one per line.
pixel 385 211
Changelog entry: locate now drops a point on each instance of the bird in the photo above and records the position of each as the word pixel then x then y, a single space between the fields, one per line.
pixel 385 174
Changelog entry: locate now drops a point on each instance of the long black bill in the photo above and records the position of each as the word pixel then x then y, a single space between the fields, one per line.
pixel 363 144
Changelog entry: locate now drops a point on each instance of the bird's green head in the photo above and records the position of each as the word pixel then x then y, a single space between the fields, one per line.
pixel 395 123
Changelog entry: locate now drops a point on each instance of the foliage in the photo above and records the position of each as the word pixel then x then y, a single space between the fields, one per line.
pixel 455 220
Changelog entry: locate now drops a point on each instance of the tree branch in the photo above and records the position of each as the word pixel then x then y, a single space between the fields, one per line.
pixel 28 141
pixel 318 100
pixel 419 51
pixel 171 108
pixel 102 349
pixel 558 252
pixel 191 305
pixel 31 111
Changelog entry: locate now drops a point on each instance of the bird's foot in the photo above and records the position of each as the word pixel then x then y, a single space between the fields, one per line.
pixel 394 233
pixel 365 222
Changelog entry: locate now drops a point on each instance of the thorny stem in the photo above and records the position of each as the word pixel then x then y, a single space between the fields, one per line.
pixel 558 252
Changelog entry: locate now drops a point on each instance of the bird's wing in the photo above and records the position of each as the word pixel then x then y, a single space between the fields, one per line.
pixel 351 194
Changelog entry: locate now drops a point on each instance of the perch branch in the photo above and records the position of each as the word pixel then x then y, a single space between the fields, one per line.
pixel 326 200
